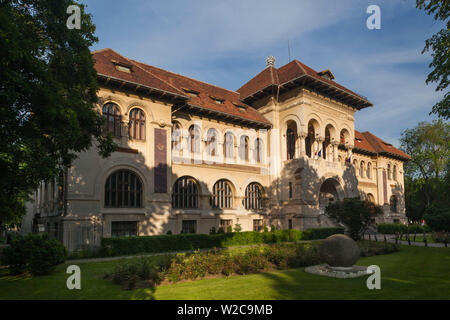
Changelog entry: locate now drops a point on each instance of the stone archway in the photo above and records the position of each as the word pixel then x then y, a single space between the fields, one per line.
pixel 330 191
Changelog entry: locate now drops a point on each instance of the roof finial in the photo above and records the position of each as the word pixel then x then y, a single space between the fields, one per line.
pixel 270 61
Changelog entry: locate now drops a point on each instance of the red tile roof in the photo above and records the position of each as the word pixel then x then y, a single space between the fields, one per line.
pixel 290 72
pixel 367 141
pixel 167 81
pixel 105 62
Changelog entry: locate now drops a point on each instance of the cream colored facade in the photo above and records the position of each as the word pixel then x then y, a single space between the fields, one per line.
pixel 295 191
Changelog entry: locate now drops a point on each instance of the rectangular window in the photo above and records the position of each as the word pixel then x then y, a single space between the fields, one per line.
pixel 124 229
pixel 189 226
pixel 257 225
pixel 290 224
pixel 290 190
pixel 226 225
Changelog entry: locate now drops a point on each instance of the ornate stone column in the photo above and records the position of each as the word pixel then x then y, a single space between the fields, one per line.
pixel 302 144
pixel 335 145
pixel 319 146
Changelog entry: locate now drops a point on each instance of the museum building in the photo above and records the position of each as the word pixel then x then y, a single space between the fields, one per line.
pixel 195 158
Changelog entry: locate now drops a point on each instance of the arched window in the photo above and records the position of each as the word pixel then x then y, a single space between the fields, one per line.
pixel 389 172
pixel 185 193
pixel 369 170
pixel 344 136
pixel 113 118
pixel 311 138
pixel 394 172
pixel 177 136
pixel 253 196
pixel 393 204
pixel 136 126
pixel 228 145
pixel 194 139
pixel 222 195
pixel 244 148
pixel 258 150
pixel 290 143
pixel 361 169
pixel 123 188
pixel 370 198
pixel 355 165
pixel 211 142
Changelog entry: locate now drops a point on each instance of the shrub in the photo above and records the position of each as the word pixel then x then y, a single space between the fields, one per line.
pixel 415 228
pixel 281 256
pixel 321 233
pixel 370 248
pixel 237 226
pixel 392 228
pixel 37 254
pixel 128 272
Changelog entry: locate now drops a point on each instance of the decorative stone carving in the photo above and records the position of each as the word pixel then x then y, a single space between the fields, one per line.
pixel 270 61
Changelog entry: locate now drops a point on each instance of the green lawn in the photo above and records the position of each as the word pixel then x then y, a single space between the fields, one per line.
pixel 412 273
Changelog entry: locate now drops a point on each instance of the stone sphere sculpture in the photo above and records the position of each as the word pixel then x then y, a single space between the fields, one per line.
pixel 339 250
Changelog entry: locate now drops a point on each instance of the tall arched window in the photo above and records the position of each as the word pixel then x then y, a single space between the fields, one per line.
pixel 123 188
pixel 355 165
pixel 393 204
pixel 194 139
pixel 311 138
pixel 394 172
pixel 136 126
pixel 222 195
pixel 361 169
pixel 290 143
pixel 344 136
pixel 253 196
pixel 244 148
pixel 113 118
pixel 369 170
pixel 185 193
pixel 258 150
pixel 177 136
pixel 211 142
pixel 389 172
pixel 228 145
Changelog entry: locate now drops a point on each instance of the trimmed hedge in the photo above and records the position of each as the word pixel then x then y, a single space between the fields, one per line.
pixel 321 233
pixel 393 228
pixel 183 242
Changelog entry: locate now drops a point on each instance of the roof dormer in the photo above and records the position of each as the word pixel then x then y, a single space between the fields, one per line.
pixel 327 74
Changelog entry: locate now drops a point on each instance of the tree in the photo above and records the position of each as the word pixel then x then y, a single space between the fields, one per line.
pixel 354 213
pixel 438 218
pixel 439 44
pixel 48 95
pixel 427 171
pixel 414 199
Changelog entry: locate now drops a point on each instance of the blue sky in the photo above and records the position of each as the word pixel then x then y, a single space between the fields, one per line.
pixel 226 43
